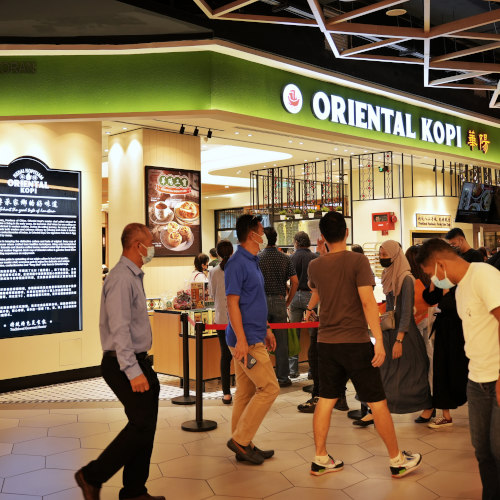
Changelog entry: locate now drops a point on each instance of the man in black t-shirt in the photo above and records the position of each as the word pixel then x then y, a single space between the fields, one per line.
pixel 456 238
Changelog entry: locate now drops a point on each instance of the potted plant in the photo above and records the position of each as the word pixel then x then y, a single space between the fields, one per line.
pixel 325 209
pixel 282 214
pixel 339 208
pixel 297 212
pixel 311 212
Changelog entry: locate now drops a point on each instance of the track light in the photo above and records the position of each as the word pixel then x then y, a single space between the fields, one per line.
pixel 196 131
pixel 181 131
pixel 209 134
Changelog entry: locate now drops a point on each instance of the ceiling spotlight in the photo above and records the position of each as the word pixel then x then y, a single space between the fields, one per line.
pixel 124 128
pixel 290 141
pixel 107 133
pixel 209 133
pixel 238 172
pixel 182 129
pixel 196 131
pixel 249 135
pixel 236 133
pixel 226 187
pixel 396 12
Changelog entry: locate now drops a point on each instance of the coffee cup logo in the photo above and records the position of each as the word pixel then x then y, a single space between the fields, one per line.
pixel 291 97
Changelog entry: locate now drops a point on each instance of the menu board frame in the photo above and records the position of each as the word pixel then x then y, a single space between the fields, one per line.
pixel 41 196
pixel 165 197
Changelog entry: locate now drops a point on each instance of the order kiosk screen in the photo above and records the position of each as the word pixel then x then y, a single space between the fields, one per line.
pixel 40 249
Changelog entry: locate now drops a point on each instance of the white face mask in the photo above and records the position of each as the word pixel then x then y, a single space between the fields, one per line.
pixel 151 253
pixel 264 241
pixel 445 283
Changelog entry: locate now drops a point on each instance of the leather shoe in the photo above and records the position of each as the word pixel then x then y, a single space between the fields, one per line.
pixel 146 496
pixel 265 453
pixel 423 420
pixel 356 414
pixel 89 491
pixel 285 383
pixel 363 423
pixel 308 388
pixel 246 453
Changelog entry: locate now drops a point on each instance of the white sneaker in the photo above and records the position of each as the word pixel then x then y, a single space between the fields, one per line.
pixel 440 422
pixel 331 466
pixel 409 462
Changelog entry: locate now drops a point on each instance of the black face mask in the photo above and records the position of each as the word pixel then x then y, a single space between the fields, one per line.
pixel 385 262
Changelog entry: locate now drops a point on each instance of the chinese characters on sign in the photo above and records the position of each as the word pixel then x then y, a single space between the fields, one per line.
pixel 40 258
pixel 433 220
pixel 479 141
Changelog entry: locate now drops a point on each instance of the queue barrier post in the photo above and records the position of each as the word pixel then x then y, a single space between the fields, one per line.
pixel 186 399
pixel 199 425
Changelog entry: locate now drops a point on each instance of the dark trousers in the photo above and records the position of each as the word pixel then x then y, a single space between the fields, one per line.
pixel 225 362
pixel 132 448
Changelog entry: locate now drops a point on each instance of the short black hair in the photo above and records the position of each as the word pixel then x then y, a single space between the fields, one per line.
pixel 245 224
pixel 453 233
pixel 199 260
pixel 271 235
pixel 357 249
pixel 213 253
pixel 432 247
pixel 333 227
pixel 302 239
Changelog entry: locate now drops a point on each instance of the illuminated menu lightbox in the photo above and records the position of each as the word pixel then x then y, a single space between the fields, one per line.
pixel 40 249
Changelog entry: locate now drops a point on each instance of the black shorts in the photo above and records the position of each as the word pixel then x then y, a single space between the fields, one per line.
pixel 337 363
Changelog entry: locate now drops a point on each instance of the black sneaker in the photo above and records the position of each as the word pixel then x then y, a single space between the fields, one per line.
pixel 309 406
pixel 245 453
pixel 265 453
pixel 341 404
pixel 332 466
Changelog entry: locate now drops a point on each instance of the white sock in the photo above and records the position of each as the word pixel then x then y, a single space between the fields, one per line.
pixel 397 460
pixel 322 459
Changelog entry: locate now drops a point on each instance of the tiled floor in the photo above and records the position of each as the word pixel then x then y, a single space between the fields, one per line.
pixel 42 444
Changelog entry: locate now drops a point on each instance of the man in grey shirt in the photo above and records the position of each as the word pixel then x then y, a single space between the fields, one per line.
pixel 126 338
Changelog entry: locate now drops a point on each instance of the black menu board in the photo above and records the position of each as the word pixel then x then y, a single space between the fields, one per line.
pixel 40 249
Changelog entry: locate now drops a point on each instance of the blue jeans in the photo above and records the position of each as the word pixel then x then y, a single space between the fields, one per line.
pixel 484 423
pixel 276 313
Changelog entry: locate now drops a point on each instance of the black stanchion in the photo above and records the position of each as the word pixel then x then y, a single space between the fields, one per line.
pixel 199 425
pixel 186 399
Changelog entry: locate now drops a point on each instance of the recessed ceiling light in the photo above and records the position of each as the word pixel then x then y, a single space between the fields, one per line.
pixel 108 133
pixel 317 158
pixel 301 143
pixel 290 141
pixel 366 151
pixel 238 172
pixel 124 128
pixel 345 150
pixel 396 12
pixel 236 133
pixel 227 187
pixel 249 135
pixel 274 165
pixel 106 150
pixel 206 197
pixel 336 149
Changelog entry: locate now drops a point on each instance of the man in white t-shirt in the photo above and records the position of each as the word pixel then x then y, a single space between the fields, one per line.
pixel 478 305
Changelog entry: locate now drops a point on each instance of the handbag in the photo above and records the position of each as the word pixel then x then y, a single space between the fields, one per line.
pixel 388 320
pixel 293 342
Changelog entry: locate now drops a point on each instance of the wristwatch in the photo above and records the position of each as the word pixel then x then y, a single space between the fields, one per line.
pixel 400 341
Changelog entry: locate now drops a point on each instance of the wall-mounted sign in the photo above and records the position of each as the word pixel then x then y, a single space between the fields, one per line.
pixel 433 220
pixel 40 254
pixel 173 211
pixel 478 141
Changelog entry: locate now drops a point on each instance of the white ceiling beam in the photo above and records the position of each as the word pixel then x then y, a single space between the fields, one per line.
pixel 466 23
pixel 250 18
pixel 455 78
pixel 465 66
pixel 225 9
pixel 373 29
pixel 465 86
pixel 317 11
pixel 363 11
pixel 390 59
pixel 466 52
pixel 370 46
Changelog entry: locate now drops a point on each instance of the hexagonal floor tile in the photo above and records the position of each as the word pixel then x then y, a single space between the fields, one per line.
pixel 307 493
pixel 9 496
pixel 280 462
pixel 78 430
pixel 249 483
pixel 104 416
pixel 454 484
pixel 180 489
pixel 388 489
pixel 46 446
pixel 50 420
pixel 5 448
pixel 177 436
pixel 283 441
pixel 196 467
pixel 301 476
pixel 40 482
pixel 107 493
pixel 22 413
pixel 350 435
pixel 452 460
pixel 117 479
pixel 72 460
pixel 5 423
pixel 98 441
pixel 348 453
pixel 377 447
pixel 20 434
pixel 210 447
pixel 446 439
pixel 11 465
pixel 164 452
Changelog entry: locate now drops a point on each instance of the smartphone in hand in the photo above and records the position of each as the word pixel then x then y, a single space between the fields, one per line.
pixel 313 316
pixel 250 361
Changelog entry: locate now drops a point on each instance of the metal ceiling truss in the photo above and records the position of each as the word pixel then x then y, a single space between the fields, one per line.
pixel 331 23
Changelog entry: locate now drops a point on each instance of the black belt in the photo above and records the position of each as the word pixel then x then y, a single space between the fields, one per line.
pixel 112 354
pixel 304 289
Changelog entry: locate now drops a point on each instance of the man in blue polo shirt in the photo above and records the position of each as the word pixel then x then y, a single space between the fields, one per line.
pixel 248 335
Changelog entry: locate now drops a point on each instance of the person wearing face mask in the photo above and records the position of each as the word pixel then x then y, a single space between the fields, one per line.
pixel 248 336
pixel 478 305
pixel 277 268
pixel 126 338
pixel 405 370
pixel 456 238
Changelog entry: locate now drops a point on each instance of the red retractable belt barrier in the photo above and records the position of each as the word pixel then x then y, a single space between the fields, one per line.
pixel 274 326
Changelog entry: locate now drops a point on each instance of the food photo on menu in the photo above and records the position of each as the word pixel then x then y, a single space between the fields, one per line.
pixel 173 211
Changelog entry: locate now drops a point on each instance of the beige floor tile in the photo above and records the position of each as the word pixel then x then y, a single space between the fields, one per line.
pixel 178 436
pixel 224 497
pixel 449 440
pixel 377 447
pixel 5 423
pixel 99 441
pixel 118 425
pixel 70 494
pixel 454 484
pixel 11 465
pixel 40 482
pixel 452 460
pixel 20 413
pixel 49 420
pixel 104 416
pixel 348 453
pixel 72 460
pixel 389 489
pixel 301 477
pixel 163 452
pixel 378 468
pixel 308 494
pixel 350 435
pixel 180 489
pixel 287 425
pixel 411 430
pixel 5 448
pixel 9 496
pixel 117 480
pixel 249 483
pixel 280 462
pixel 78 430
pixel 214 447
pixel 196 467
pixel 20 434
pixel 283 441
pixel 46 446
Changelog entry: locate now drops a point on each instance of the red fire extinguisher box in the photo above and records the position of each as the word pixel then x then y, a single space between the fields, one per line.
pixel 383 221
